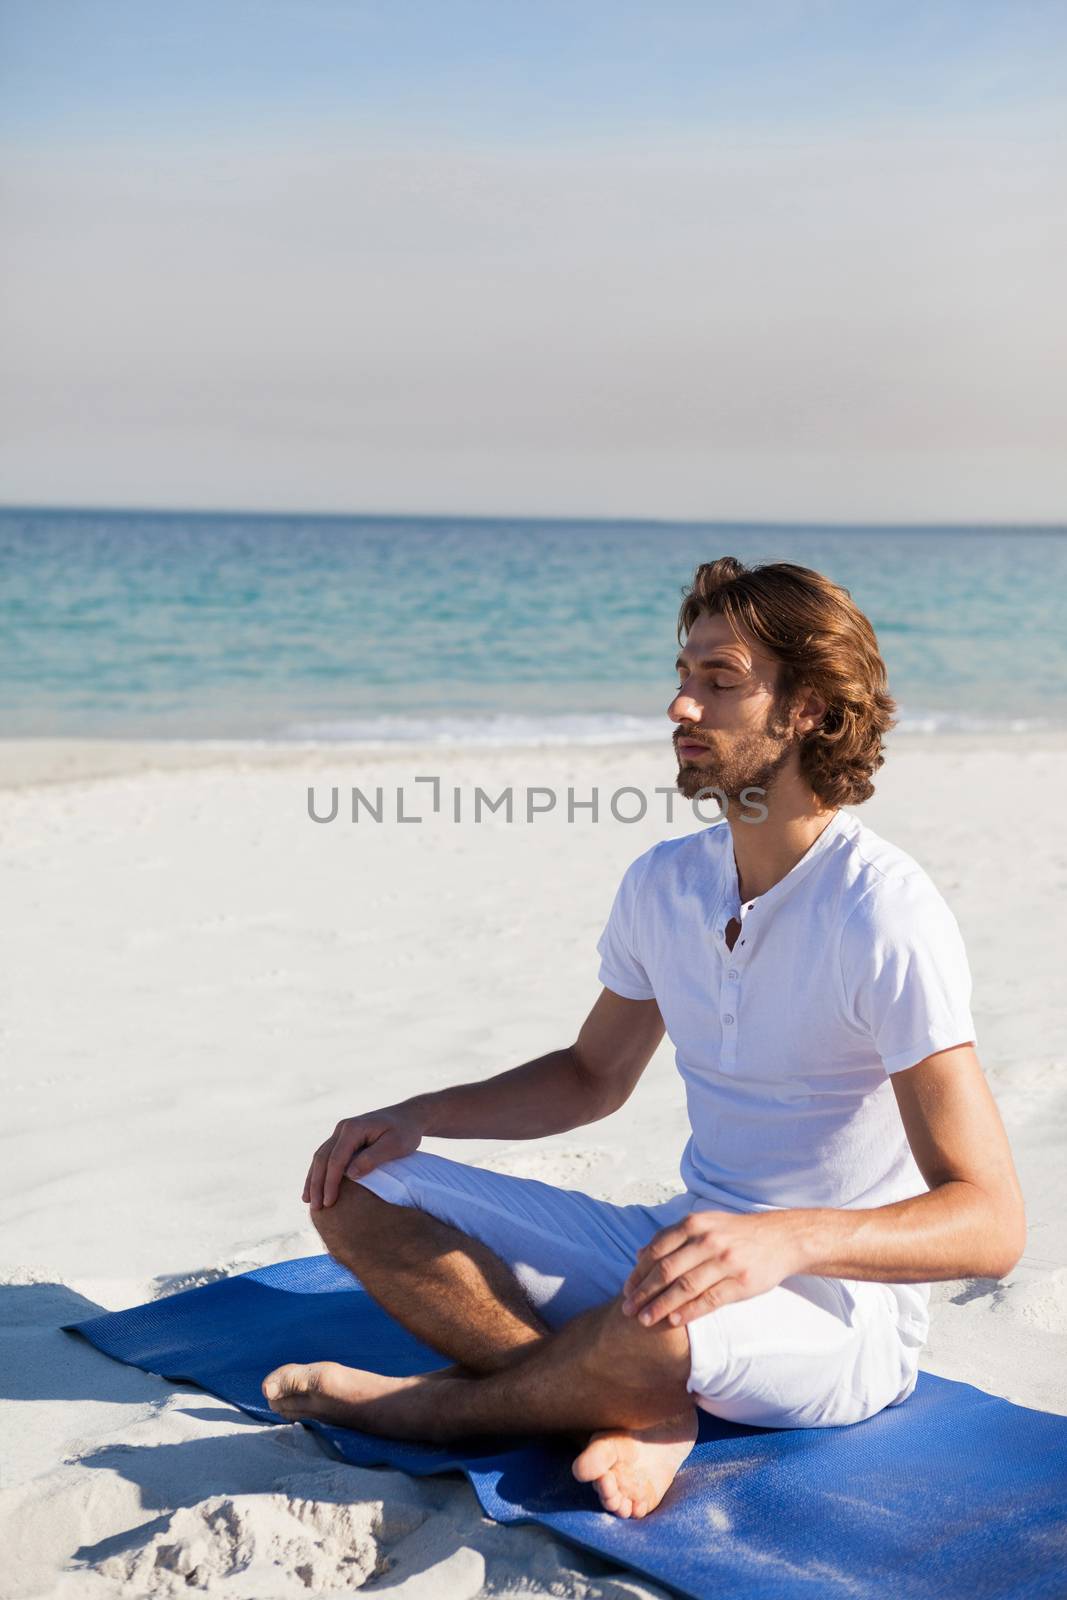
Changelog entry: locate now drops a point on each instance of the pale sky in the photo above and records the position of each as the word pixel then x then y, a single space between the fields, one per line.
pixel 774 261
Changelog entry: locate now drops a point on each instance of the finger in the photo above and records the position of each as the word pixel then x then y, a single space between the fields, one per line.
pixel 371 1156
pixel 665 1272
pixel 723 1293
pixel 307 1183
pixel 637 1271
pixel 344 1149
pixel 657 1275
pixel 642 1266
pixel 664 1243
pixel 697 1280
pixel 317 1176
pixel 648 1274
pixel 320 1167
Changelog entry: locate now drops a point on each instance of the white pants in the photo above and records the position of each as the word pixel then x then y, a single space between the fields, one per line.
pixel 812 1353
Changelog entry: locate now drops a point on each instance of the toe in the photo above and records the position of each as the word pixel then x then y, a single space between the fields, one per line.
pixel 282 1382
pixel 608 1490
pixel 272 1384
pixel 598 1457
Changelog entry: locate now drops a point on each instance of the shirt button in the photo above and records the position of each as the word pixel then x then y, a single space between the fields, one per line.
pixel 732 972
pixel 727 1018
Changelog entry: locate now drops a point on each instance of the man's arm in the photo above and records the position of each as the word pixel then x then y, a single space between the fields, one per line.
pixel 565 1089
pixel 971 1223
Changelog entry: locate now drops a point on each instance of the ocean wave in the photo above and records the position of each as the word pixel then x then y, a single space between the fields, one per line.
pixel 499 729
pixel 916 721
pixel 562 729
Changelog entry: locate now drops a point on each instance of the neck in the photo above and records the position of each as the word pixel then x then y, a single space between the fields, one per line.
pixel 766 851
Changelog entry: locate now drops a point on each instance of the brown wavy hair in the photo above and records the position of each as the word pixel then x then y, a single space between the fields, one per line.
pixel 824 641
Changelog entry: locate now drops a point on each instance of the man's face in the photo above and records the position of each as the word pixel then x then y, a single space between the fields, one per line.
pixel 732 732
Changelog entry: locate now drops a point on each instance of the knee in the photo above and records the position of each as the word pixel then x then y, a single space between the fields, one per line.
pixel 640 1357
pixel 354 1215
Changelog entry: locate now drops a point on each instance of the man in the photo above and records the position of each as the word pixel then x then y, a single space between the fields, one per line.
pixel 845 1147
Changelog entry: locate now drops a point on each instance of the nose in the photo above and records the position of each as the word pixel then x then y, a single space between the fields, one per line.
pixel 683 708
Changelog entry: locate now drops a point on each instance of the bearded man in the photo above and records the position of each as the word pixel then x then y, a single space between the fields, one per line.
pixel 845 1149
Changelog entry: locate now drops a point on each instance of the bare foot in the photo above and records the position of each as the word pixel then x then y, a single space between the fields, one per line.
pixel 346 1396
pixel 632 1469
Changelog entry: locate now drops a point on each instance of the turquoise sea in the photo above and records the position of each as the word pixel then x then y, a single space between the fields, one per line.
pixel 177 625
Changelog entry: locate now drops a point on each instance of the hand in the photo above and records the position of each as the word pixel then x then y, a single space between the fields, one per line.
pixel 358 1145
pixel 709 1259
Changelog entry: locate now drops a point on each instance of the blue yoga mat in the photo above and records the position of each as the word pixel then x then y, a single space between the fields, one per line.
pixel 954 1495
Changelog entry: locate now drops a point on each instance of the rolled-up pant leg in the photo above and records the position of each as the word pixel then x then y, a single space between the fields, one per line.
pixel 568 1251
pixel 813 1352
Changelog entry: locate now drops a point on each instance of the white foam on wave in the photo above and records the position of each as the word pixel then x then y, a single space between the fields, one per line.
pixel 967 722
pixel 611 728
pixel 499 729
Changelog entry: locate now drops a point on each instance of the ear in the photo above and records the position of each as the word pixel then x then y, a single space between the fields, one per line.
pixel 809 711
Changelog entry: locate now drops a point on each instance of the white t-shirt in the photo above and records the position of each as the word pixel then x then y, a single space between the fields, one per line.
pixel 847 970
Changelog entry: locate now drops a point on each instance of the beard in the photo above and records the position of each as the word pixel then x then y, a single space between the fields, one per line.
pixel 736 762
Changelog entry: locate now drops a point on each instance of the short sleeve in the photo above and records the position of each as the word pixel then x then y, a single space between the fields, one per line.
pixel 904 966
pixel 621 969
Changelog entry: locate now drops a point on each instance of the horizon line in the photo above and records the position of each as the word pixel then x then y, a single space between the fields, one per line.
pixel 260 514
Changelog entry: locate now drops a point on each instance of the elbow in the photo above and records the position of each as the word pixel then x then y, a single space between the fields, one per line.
pixel 994 1237
pixel 601 1094
pixel 604 1102
pixel 1011 1237
pixel 1012 1258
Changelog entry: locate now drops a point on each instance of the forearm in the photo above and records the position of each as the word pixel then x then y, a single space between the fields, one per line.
pixel 954 1231
pixel 548 1095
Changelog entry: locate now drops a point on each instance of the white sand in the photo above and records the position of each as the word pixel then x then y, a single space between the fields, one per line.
pixel 199 981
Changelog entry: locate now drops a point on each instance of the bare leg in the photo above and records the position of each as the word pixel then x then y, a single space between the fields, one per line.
pixel 449 1290
pixel 602 1371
